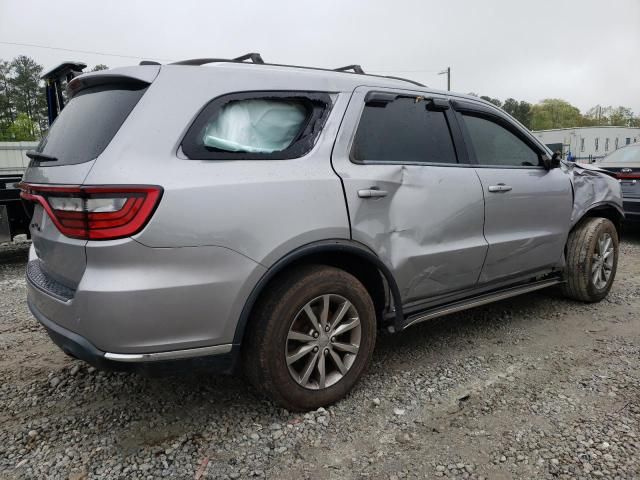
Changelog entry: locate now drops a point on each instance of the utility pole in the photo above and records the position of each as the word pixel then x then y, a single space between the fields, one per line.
pixel 448 73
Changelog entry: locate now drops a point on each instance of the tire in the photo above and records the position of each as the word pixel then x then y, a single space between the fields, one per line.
pixel 583 251
pixel 281 316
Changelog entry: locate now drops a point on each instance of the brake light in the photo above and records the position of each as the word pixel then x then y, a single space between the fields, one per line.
pixel 95 212
pixel 628 176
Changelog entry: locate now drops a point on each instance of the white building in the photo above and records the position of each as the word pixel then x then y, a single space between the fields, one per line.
pixel 587 144
pixel 13 158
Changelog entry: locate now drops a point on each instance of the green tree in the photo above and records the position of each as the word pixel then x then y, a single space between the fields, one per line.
pixel 554 113
pixel 495 101
pixel 21 130
pixel 620 116
pixel 27 91
pixel 519 110
pixel 7 111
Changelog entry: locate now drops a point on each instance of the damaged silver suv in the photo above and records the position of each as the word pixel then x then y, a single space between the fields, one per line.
pixel 272 218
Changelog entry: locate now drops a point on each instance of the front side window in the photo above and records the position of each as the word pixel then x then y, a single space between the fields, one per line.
pixel 495 145
pixel 257 126
pixel 404 131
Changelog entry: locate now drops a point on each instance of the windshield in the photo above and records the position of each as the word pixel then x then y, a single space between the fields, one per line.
pixel 88 123
pixel 624 155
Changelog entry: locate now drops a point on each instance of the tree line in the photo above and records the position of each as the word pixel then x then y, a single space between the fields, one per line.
pixel 23 106
pixel 23 101
pixel 557 113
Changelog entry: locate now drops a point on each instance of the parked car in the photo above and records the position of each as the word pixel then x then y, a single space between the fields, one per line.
pixel 625 163
pixel 272 218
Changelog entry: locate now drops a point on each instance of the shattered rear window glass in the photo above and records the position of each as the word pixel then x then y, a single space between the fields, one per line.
pixel 255 125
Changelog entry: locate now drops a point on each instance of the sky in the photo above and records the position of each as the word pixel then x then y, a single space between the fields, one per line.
pixel 584 51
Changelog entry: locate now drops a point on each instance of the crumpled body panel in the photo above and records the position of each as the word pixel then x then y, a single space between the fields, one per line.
pixel 591 188
pixel 428 227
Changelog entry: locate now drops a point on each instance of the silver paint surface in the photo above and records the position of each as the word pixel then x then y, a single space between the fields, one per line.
pixel 183 280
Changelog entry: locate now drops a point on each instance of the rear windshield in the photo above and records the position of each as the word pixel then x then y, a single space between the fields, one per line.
pixel 89 122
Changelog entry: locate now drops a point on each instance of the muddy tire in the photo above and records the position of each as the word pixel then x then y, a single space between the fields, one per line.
pixel 592 260
pixel 310 338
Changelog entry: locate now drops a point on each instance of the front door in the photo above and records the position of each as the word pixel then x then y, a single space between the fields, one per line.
pixel 527 208
pixel 409 199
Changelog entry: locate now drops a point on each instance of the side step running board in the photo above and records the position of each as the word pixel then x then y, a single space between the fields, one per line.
pixel 477 301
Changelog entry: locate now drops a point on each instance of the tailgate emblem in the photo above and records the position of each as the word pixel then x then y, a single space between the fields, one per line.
pixel 626 170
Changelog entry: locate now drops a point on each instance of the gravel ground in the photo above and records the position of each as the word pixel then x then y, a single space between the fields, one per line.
pixel 533 387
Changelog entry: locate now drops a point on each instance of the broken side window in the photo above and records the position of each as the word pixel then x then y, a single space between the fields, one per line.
pixel 274 125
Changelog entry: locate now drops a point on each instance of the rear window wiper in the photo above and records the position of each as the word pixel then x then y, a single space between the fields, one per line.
pixel 41 157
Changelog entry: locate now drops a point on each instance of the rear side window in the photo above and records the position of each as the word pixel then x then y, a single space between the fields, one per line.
pixel 89 122
pixel 495 145
pixel 403 131
pixel 249 126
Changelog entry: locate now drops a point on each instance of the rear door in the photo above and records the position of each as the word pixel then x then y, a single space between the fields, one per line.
pixel 527 208
pixel 409 198
pixel 77 137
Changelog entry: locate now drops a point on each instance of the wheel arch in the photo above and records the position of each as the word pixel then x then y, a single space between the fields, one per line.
pixel 350 256
pixel 606 210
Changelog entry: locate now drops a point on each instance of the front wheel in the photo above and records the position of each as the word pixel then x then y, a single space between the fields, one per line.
pixel 592 260
pixel 311 338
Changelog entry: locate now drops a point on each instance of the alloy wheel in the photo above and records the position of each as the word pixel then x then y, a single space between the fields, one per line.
pixel 323 341
pixel 602 261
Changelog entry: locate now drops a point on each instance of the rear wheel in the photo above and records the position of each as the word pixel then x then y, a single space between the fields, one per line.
pixel 592 260
pixel 311 338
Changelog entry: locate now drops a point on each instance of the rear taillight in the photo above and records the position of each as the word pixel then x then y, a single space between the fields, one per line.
pixel 96 212
pixel 628 176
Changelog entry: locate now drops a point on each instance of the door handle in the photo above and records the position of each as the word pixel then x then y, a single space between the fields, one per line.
pixel 372 192
pixel 501 187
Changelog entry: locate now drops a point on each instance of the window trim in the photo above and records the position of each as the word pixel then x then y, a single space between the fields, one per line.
pixel 320 104
pixel 481 111
pixel 452 126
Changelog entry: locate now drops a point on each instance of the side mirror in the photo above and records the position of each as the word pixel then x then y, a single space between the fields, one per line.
pixel 553 162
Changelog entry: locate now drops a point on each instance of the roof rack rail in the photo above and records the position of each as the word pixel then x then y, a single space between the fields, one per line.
pixel 355 68
pixel 256 59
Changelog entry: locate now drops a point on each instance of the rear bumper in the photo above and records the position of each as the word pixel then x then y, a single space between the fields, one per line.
pixel 631 208
pixel 139 302
pixel 220 358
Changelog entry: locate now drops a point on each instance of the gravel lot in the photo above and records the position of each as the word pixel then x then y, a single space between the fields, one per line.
pixel 533 387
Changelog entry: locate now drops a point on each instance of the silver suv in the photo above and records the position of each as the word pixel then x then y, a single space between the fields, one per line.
pixel 272 218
